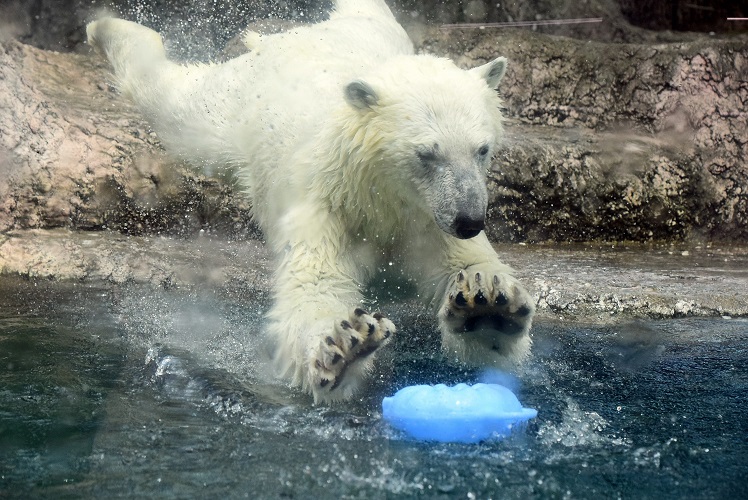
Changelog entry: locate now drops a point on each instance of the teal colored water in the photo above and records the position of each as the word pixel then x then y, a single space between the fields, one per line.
pixel 131 392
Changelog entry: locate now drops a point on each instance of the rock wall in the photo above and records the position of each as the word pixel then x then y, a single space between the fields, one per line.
pixel 74 154
pixel 625 141
pixel 605 142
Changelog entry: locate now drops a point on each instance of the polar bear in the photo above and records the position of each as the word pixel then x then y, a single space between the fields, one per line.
pixel 356 154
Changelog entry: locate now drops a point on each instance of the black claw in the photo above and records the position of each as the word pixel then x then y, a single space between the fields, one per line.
pixel 460 300
pixel 359 312
pixel 346 325
pixel 372 329
pixel 523 311
pixel 387 334
pixel 336 359
pixel 460 277
pixel 339 378
pixel 501 300
pixel 477 277
pixel 481 299
pixel 378 316
pixel 354 342
pixel 366 352
pixel 330 341
pixel 324 382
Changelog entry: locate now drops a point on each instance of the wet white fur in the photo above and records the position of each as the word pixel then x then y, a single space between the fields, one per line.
pixel 336 186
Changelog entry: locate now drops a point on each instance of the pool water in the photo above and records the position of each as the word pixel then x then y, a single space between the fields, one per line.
pixel 136 392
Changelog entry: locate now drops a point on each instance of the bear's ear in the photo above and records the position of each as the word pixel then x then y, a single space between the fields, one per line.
pixel 492 72
pixel 360 95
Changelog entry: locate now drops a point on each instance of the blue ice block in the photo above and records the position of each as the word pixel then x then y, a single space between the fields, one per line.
pixel 463 413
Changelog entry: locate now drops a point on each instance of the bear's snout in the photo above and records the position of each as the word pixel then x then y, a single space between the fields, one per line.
pixel 468 227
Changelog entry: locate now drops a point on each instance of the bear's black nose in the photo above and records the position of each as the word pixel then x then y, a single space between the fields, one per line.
pixel 467 227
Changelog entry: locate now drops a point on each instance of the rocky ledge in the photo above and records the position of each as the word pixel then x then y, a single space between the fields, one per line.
pixel 592 282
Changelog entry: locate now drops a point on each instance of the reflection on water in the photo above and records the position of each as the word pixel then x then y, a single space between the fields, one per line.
pixel 143 393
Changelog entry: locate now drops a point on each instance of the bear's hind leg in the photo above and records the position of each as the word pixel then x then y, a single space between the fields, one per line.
pixel 131 48
pixel 189 106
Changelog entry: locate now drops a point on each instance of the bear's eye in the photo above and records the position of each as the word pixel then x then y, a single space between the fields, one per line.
pixel 428 155
pixel 483 151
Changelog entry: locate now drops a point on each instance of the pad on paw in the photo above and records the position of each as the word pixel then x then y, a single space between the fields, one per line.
pixel 352 340
pixel 481 300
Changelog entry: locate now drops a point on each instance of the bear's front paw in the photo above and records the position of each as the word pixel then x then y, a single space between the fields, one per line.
pixel 344 356
pixel 486 316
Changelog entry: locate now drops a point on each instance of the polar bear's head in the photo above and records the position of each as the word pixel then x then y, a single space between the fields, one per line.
pixel 433 129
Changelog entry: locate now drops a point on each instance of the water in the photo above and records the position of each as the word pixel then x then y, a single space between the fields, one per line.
pixel 135 392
